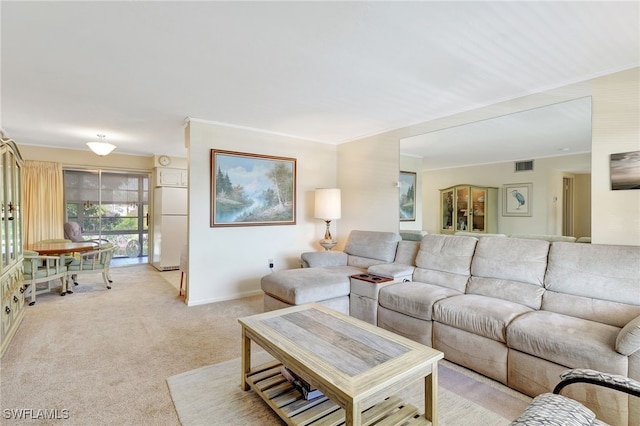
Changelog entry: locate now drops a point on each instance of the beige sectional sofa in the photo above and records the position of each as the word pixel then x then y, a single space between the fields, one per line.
pixel 520 311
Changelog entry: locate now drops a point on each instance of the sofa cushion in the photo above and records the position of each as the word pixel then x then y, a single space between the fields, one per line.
pixel 545 237
pixel 568 341
pixel 445 260
pixel 362 262
pixel 511 269
pixel 412 235
pixel 513 291
pixel 406 252
pixel 414 299
pixel 397 271
pixel 319 259
pixel 628 340
pixel 485 316
pixel 380 246
pixel 594 272
pixel 299 286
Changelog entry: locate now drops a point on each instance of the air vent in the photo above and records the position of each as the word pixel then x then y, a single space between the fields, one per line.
pixel 524 166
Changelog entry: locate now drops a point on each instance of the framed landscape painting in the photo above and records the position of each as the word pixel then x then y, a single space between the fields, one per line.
pixel 252 189
pixel 407 196
pixel 516 199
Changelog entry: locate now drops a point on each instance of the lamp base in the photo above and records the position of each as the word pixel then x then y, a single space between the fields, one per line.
pixel 328 244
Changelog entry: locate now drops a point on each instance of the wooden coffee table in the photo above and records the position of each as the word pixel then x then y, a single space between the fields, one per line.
pixel 358 366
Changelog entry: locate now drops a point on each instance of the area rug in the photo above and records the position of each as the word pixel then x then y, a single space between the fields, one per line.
pixel 211 395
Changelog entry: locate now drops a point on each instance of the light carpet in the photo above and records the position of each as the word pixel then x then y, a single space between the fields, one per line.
pixel 212 395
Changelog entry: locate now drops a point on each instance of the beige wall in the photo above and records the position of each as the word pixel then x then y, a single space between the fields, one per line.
pixel 582 205
pixel 546 194
pixel 227 263
pixel 87 159
pixel 615 214
pixel 616 128
pixel 367 175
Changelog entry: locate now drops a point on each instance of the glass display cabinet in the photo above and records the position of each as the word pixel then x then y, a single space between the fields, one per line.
pixel 11 269
pixel 468 208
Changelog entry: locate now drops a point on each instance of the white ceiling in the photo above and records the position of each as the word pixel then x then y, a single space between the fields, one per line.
pixel 323 71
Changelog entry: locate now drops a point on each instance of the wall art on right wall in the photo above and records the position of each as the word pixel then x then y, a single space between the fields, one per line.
pixel 625 170
pixel 516 199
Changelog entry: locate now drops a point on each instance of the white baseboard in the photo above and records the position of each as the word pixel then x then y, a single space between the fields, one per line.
pixel 224 298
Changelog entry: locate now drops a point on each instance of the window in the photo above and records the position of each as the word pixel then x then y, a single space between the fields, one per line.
pixel 110 205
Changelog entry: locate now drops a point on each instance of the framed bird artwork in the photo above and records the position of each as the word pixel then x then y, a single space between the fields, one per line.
pixel 516 199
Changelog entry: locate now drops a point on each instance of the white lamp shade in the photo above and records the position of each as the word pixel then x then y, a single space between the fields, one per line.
pixel 327 204
pixel 101 148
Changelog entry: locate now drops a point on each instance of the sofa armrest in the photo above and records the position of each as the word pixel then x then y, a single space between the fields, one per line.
pixel 628 340
pixel 317 259
pixel 393 270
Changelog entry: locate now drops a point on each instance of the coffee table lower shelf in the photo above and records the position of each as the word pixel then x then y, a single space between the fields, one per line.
pixel 267 381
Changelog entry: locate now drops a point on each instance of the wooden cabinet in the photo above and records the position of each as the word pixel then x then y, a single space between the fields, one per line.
pixel 11 269
pixel 166 176
pixel 468 208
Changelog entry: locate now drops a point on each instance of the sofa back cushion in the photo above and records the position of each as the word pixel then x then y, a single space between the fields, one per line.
pixel 406 252
pixel 366 248
pixel 511 269
pixel 445 260
pixel 596 282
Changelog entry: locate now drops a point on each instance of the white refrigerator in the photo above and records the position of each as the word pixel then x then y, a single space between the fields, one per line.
pixel 169 226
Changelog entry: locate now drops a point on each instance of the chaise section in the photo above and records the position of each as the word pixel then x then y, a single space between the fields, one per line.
pixel 324 277
pixel 326 286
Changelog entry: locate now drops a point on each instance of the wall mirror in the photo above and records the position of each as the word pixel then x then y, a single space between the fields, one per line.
pixel 554 130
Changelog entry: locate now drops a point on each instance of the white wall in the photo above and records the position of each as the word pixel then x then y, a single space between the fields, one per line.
pixel 547 192
pixel 227 263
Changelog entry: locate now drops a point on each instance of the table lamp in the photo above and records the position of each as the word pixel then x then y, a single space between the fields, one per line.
pixel 327 208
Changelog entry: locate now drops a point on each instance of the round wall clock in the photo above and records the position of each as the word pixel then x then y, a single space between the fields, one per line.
pixel 164 160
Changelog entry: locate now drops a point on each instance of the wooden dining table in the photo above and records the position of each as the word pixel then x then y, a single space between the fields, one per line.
pixel 61 249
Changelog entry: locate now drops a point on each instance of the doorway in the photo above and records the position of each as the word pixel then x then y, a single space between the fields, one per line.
pixel 567 207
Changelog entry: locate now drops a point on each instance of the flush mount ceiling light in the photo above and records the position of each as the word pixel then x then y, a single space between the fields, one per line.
pixel 101 148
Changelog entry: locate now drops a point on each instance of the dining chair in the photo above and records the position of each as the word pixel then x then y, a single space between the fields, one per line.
pixel 73 232
pixel 95 261
pixel 39 269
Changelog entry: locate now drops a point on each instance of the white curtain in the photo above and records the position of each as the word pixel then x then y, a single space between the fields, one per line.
pixel 42 201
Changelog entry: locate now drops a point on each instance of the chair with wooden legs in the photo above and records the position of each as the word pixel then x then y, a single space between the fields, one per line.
pixel 95 261
pixel 40 269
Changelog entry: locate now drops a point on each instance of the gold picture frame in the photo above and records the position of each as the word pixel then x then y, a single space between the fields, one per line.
pixel 252 189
